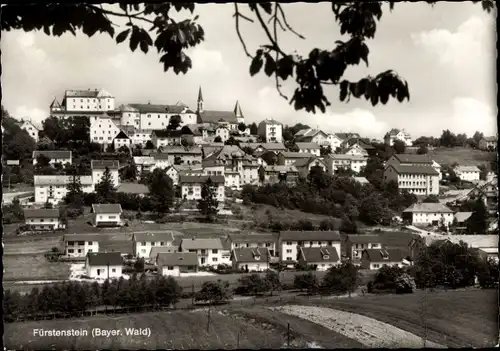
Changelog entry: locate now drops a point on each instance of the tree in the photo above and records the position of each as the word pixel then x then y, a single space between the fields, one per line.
pixel 208 203
pixel 399 147
pixel 405 284
pixel 139 265
pixel 214 292
pixel 129 172
pixel 270 158
pixel 448 139
pixel 306 281
pixel 242 127
pixel 168 291
pixel 105 189
pixel 42 161
pixel 149 145
pixel 431 199
pixel 326 150
pixel 218 139
pixel 253 129
pixel 272 280
pixel 174 122
pixel 423 150
pixel 74 197
pixel 252 284
pixel 477 138
pixel 161 191
pixel 344 278
pixel 477 222
pixel 232 141
pixel 483 174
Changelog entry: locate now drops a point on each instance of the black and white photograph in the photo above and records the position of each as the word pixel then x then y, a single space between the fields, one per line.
pixel 249 175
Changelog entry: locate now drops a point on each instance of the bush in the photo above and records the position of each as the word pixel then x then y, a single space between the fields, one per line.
pixel 405 284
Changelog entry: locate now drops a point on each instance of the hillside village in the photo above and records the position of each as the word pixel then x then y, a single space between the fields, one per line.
pixel 112 189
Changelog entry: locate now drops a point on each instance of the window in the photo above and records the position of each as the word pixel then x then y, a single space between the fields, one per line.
pixel 79 251
pixel 170 268
pixel 214 251
pixel 289 243
pixel 81 243
pixel 143 250
pixel 41 220
pixel 162 243
pixel 71 250
pixel 113 270
pixel 90 242
pixel 153 243
pixel 214 259
pixel 143 243
pixel 289 259
pixel 376 265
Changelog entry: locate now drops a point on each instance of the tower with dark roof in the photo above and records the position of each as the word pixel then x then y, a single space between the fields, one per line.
pixel 200 101
pixel 237 111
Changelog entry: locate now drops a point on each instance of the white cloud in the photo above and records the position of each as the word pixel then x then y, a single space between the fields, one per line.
pixel 27 44
pixel 469 115
pixel 468 44
pixel 207 60
pixel 36 115
pixel 118 61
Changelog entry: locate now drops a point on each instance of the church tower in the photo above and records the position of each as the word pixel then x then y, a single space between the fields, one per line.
pixel 200 101
pixel 237 111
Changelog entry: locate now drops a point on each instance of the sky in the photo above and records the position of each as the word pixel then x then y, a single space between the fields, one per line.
pixel 446 53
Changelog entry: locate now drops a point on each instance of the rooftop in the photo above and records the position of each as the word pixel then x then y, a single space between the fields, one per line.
pixel 218 116
pixel 281 169
pixel 289 154
pixel 167 133
pixel 82 237
pixel 413 158
pixel 462 216
pixel 41 213
pixel 187 179
pixel 201 243
pixel 56 154
pixel 158 108
pixel 364 239
pixel 105 259
pixel 467 169
pixel 251 254
pixel 155 250
pixel 428 208
pixel 167 236
pixel 308 145
pixel 251 238
pixel 106 208
pixel 177 259
pixel 384 255
pixel 102 164
pixel 410 169
pixel 320 254
pixel 302 162
pixel 41 180
pixel 317 235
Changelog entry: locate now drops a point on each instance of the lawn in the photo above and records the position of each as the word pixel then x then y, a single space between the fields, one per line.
pixel 453 318
pixel 462 156
pixel 16 188
pixel 168 330
pixel 33 267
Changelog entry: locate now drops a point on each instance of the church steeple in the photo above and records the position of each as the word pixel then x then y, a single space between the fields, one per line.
pixel 238 114
pixel 200 101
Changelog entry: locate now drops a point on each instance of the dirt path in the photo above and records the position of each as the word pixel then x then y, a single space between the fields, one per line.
pixel 368 331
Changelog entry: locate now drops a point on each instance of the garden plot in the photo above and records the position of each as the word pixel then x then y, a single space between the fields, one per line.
pixel 368 331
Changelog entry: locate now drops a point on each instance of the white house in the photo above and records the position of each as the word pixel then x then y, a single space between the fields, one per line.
pixel 356 150
pixel 222 132
pixel 286 158
pixel 377 258
pixel 175 263
pixel 107 215
pixel 210 251
pixel 59 156
pixel 122 139
pixel 43 219
pixel 467 173
pixel 53 188
pixel 251 240
pixel 290 242
pixel 104 265
pixel 143 242
pixel 397 134
pixel 251 259
pixel 155 250
pixel 428 214
pixel 157 116
pixel 270 131
pixel 418 180
pixel 83 101
pixel 345 161
pixel 30 128
pixel 103 129
pixel 79 245
pixel 144 163
pixel 99 167
pixel 322 258
pixel 355 244
pixel 319 137
pixel 311 148
pixel 191 186
pixel 166 137
pixel 175 171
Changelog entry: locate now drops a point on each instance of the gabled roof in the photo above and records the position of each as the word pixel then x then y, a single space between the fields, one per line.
pixel 155 250
pixel 490 139
pixel 56 154
pixel 344 136
pixel 308 235
pixel 175 150
pixel 185 179
pixel 237 110
pixel 144 160
pixel 413 158
pixel 217 116
pixel 167 133
pixel 474 241
pixel 319 254
pixel 308 133
pixel 158 108
pixel 177 259
pixel 41 213
pixel 297 155
pixel 266 146
pixel 82 237
pixel 347 157
pixel 462 216
pixel 41 180
pixel 361 180
pixel 251 238
pixel 251 254
pixel 307 161
pixel 165 236
pixel 121 135
pixel 106 208
pixel 364 239
pixel 409 169
pixel 82 93
pixel 270 121
pixel 105 258
pixel 428 208
pixel 55 104
pixel 201 243
pixel 377 255
pixel 393 132
pixel 308 145
pixel 102 164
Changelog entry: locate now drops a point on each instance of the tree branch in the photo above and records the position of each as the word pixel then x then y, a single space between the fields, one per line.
pixel 269 36
pixel 275 25
pixel 280 9
pixel 237 16
pixel 127 15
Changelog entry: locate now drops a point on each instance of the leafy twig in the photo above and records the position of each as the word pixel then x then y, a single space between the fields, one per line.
pixel 268 33
pixel 129 16
pixel 286 23
pixel 275 25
